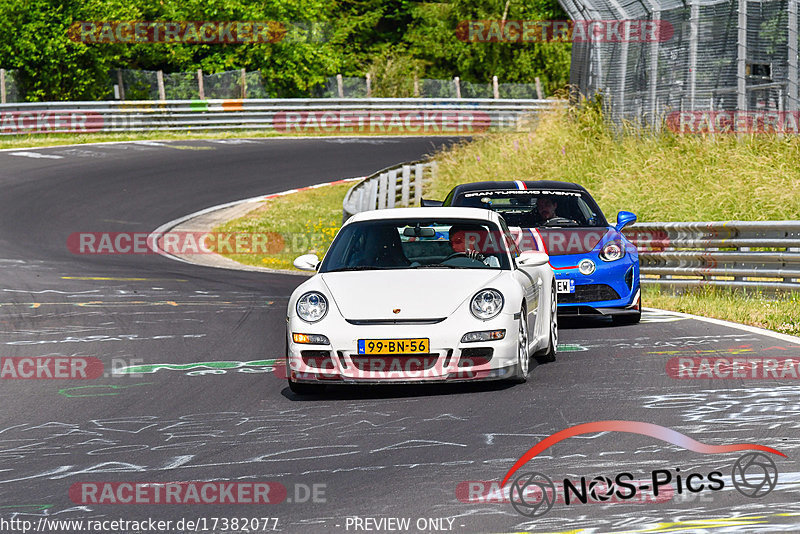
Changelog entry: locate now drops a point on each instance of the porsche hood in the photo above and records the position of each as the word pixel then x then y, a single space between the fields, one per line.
pixel 406 294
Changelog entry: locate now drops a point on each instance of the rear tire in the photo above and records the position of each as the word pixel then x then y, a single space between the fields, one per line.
pixel 549 354
pixel 523 357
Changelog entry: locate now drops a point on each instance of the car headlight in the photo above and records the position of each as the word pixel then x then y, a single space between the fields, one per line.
pixel 586 266
pixel 312 306
pixel 486 303
pixel 612 251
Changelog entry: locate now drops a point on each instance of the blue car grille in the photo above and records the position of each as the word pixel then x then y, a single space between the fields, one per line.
pixel 588 293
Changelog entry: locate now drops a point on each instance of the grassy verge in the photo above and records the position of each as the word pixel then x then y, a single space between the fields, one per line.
pixel 45 140
pixel 659 177
pixel 307 221
pixel 773 312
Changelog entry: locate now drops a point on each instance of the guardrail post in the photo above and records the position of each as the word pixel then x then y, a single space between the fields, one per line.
pixel 416 86
pixel 200 89
pixel 539 92
pixel 406 185
pixel 339 86
pixel 162 95
pixel 2 86
pixel 457 84
pixel 384 177
pixel 391 190
pixel 419 168
pixel 372 198
pixel 495 88
pixel 369 85
pixel 243 79
pixel 120 84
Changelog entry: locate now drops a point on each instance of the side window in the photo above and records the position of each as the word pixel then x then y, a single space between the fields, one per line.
pixel 448 200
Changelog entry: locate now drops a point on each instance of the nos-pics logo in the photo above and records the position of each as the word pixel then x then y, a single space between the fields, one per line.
pixel 533 494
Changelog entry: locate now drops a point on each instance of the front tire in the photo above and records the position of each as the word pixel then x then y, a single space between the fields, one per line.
pixel 548 355
pixel 523 357
pixel 301 388
pixel 633 318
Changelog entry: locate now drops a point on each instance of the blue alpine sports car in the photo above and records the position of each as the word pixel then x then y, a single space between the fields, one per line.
pixel 596 267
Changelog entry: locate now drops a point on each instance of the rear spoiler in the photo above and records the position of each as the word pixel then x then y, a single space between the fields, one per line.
pixel 430 203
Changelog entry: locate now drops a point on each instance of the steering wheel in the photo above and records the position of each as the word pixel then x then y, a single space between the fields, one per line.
pixel 478 257
pixel 557 221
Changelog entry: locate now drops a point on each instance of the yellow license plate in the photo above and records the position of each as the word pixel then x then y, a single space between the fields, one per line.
pixel 394 346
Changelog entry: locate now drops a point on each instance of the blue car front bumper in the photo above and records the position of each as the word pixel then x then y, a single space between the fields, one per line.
pixel 612 289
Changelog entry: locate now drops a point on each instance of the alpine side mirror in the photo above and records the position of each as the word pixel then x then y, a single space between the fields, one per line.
pixel 430 203
pixel 624 218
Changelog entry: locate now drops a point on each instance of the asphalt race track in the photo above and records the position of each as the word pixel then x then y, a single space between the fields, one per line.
pixel 354 458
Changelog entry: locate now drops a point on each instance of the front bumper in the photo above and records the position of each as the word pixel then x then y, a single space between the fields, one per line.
pixel 448 360
pixel 612 289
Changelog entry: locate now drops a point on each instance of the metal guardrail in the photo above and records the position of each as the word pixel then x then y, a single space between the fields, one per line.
pixel 691 254
pixel 677 254
pixel 397 186
pixel 373 115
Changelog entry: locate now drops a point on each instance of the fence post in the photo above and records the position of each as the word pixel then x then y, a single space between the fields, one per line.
pixel 741 60
pixel 200 89
pixel 369 85
pixel 418 170
pixel 539 92
pixel 405 184
pixel 391 190
pixel 340 85
pixel 694 33
pixel 120 84
pixel 2 86
pixel 495 88
pixel 654 75
pixel 162 95
pixel 791 88
pixel 416 86
pixel 457 83
pixel 244 84
pixel 382 179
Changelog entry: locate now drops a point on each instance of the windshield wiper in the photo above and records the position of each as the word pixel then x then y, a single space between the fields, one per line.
pixel 358 268
pixel 441 266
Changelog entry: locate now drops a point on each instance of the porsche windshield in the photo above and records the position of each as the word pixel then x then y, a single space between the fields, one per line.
pixel 418 244
pixel 537 208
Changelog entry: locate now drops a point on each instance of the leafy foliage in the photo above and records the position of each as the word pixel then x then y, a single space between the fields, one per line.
pixel 393 39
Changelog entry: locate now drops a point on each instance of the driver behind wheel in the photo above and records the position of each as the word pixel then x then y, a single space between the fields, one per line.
pixel 546 207
pixel 465 240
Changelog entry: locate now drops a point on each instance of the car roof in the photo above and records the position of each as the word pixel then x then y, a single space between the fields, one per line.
pixel 478 214
pixel 516 184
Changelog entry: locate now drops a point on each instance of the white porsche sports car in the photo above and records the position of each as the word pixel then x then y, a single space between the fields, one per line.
pixel 421 294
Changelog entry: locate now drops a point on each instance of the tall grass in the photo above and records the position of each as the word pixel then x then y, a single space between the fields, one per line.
pixel 660 177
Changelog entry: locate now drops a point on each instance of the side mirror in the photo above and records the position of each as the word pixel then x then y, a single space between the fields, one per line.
pixel 430 203
pixel 624 218
pixel 532 258
pixel 306 262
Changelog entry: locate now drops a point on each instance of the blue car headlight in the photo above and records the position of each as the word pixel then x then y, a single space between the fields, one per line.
pixel 612 251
